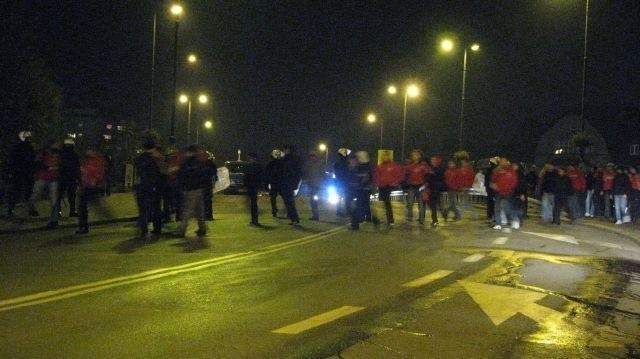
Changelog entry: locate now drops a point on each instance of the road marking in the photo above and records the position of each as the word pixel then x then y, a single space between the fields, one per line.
pixel 611 245
pixel 76 290
pixel 439 274
pixel 473 258
pixel 555 237
pixel 500 240
pixel 318 320
pixel 501 303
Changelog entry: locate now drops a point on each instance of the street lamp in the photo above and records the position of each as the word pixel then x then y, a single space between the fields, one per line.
pixel 411 91
pixel 176 10
pixel 203 99
pixel 372 118
pixel 192 59
pixel 448 45
pixel 208 125
pixel 324 148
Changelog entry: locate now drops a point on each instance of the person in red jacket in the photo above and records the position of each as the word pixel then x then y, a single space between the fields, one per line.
pixel 466 177
pixel 634 199
pixel 607 185
pixel 388 176
pixel 452 180
pixel 579 184
pixel 504 180
pixel 415 173
pixel 93 175
pixel 47 179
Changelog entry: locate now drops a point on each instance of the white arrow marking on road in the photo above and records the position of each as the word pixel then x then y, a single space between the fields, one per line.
pixel 555 237
pixel 473 258
pixel 439 274
pixel 500 240
pixel 501 303
pixel 318 320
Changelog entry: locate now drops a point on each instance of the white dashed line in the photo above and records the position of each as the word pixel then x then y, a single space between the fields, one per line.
pixel 500 240
pixel 318 320
pixel 439 274
pixel 473 258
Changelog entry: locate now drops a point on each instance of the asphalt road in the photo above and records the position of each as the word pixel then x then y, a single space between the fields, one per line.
pixel 321 290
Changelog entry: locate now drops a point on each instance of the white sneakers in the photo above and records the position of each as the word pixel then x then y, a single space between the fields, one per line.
pixel 515 225
pixel 618 222
pixel 497 227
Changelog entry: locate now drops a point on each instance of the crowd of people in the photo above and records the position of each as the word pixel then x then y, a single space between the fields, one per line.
pixel 178 184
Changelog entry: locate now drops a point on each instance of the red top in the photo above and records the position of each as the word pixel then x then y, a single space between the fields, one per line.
pixel 415 173
pixel 607 180
pixel 388 174
pixel 50 169
pixel 452 179
pixel 578 181
pixel 505 180
pixel 635 181
pixel 93 171
pixel 466 176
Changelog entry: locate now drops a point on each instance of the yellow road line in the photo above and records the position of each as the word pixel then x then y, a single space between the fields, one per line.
pixel 439 274
pixel 318 320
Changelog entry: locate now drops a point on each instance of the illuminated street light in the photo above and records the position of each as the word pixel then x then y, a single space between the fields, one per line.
pixel 410 91
pixel 192 59
pixel 392 90
pixel 176 10
pixel 413 91
pixel 324 148
pixel 184 98
pixel 208 125
pixel 447 45
pixel 203 98
pixel 372 118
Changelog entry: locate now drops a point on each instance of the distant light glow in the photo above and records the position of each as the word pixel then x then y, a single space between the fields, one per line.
pixel 176 9
pixel 192 58
pixel 392 90
pixel 475 47
pixel 322 147
pixel 203 98
pixel 446 45
pixel 413 91
pixel 208 124
pixel 371 118
pixel 183 98
pixel 332 195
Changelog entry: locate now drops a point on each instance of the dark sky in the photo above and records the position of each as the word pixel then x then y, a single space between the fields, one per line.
pixel 302 72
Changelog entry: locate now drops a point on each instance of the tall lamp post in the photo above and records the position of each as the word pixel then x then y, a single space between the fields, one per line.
pixel 202 99
pixel 176 11
pixel 324 148
pixel 448 45
pixel 584 64
pixel 411 91
pixel 372 118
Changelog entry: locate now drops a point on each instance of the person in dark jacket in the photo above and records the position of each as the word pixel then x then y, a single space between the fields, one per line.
pixel 563 189
pixel 491 194
pixel 548 179
pixel 292 175
pixel 341 172
pixel 621 190
pixel 193 176
pixel 19 171
pixel 253 180
pixel 361 181
pixel 314 176
pixel 436 184
pixel 212 177
pixel 273 177
pixel 150 172
pixel 69 175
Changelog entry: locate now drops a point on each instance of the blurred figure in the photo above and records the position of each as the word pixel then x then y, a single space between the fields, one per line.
pixel 561 195
pixel 493 163
pixel 192 179
pixel 388 176
pixel 451 179
pixel 608 176
pixel 504 181
pixel 634 198
pixel 151 170
pixel 436 184
pixel 47 179
pixel 466 179
pixel 314 176
pixel 93 180
pixel 292 175
pixel 20 168
pixel 415 172
pixel 171 195
pixel 361 174
pixel 341 172
pixel 273 174
pixel 593 186
pixel 253 180
pixel 520 192
pixel 548 179
pixel 211 176
pixel 621 190
pixel 578 184
pixel 69 175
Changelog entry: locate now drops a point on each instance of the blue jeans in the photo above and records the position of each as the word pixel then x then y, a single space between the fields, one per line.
pixel 607 205
pixel 504 210
pixel 589 205
pixel 413 195
pixel 547 206
pixel 39 187
pixel 620 203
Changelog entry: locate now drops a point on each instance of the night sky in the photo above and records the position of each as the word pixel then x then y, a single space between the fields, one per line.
pixel 302 72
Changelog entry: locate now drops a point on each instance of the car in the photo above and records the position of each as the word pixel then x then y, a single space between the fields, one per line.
pixel 237 170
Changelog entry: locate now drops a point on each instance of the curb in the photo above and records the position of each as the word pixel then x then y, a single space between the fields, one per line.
pixel 67 225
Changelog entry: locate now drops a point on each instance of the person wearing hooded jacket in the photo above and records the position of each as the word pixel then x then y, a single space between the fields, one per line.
pixel 361 182
pixel 415 172
pixel 504 181
pixel 93 177
pixel 388 175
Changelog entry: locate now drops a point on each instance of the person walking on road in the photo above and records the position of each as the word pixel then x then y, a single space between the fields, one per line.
pixel 466 178
pixel 341 172
pixel 563 191
pixel 192 178
pixel 504 181
pixel 621 190
pixel 579 184
pixel 361 182
pixel 436 185
pixel 20 168
pixel 93 179
pixel 150 169
pixel 254 181
pixel 388 176
pixel 314 176
pixel 548 179
pixel 47 179
pixel 211 176
pixel 607 186
pixel 634 198
pixel 451 179
pixel 273 174
pixel 69 175
pixel 415 172
pixel 292 175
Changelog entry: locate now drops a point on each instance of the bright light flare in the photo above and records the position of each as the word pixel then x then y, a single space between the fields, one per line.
pixel 371 118
pixel 203 98
pixel 322 147
pixel 392 90
pixel 446 45
pixel 208 125
pixel 475 47
pixel 183 98
pixel 332 195
pixel 413 91
pixel 192 58
pixel 176 9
